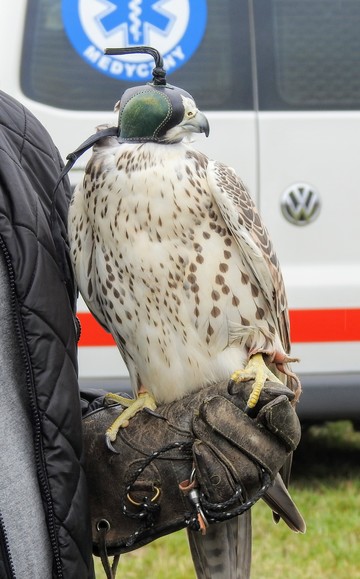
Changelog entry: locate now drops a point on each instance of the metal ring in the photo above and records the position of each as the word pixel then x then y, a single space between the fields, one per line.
pixel 103 525
pixel 137 504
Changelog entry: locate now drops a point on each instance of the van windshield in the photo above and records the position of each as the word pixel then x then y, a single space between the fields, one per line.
pixel 301 55
pixel 54 71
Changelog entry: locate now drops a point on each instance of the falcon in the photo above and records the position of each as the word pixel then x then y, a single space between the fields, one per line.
pixel 171 256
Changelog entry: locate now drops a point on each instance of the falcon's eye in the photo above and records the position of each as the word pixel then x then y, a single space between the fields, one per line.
pixel 190 114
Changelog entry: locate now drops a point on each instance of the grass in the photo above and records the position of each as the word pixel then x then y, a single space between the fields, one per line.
pixel 326 489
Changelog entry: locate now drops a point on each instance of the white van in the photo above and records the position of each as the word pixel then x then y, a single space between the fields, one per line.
pixel 280 83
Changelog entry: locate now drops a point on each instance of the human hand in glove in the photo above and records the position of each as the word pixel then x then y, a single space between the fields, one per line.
pixel 193 462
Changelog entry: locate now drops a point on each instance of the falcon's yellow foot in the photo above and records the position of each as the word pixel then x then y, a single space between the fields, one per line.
pixel 256 370
pixel 133 406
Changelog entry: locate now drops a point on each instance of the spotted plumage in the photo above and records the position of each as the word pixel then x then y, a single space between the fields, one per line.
pixel 171 255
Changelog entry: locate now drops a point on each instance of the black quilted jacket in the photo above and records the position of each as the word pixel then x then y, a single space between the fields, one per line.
pixel 43 297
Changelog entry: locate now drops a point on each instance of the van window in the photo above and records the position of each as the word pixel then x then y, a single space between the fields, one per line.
pixel 218 74
pixel 308 54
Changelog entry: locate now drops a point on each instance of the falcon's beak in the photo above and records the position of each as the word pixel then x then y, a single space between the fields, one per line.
pixel 201 124
pixel 197 124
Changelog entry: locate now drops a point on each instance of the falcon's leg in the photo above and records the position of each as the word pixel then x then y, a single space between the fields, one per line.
pixel 256 370
pixel 133 406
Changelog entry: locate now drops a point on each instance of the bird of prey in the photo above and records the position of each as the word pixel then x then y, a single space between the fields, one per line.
pixel 171 256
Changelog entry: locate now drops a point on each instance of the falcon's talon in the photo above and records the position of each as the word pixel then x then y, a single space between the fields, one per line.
pixel 118 399
pixel 256 370
pixel 255 395
pixel 109 445
pixel 134 405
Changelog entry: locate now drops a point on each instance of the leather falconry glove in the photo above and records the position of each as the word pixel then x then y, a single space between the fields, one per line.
pixel 191 463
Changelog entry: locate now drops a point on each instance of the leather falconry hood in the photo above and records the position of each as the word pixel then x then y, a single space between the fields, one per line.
pixel 148 111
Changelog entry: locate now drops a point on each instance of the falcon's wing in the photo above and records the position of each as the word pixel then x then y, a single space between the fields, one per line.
pixel 89 268
pixel 82 249
pixel 244 222
pixel 83 245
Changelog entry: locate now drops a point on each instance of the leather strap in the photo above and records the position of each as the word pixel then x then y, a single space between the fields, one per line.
pixel 74 156
pixel 110 569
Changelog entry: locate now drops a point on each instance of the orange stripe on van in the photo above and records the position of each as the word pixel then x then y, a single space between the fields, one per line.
pixel 92 334
pixel 338 325
pixel 325 325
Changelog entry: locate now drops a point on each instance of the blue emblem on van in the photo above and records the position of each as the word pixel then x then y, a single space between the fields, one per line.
pixel 174 27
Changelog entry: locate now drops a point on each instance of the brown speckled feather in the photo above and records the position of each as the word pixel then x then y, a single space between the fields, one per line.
pixel 243 220
pixel 172 258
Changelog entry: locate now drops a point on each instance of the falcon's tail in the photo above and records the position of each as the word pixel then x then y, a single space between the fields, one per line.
pixel 279 500
pixel 225 551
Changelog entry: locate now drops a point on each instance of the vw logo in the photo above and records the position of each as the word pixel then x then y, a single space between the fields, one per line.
pixel 300 204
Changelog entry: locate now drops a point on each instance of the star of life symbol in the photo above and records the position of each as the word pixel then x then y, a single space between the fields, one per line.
pixel 136 18
pixel 174 27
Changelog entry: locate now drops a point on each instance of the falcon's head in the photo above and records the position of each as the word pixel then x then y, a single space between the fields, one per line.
pixel 157 112
pixel 164 114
